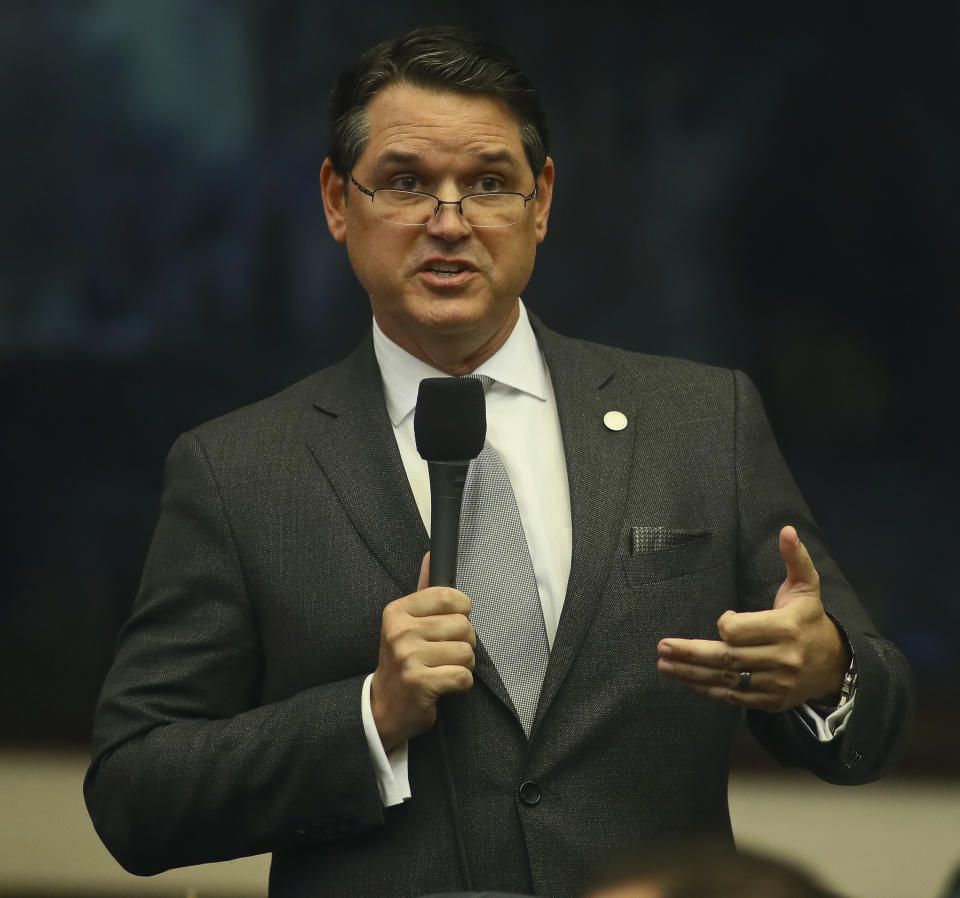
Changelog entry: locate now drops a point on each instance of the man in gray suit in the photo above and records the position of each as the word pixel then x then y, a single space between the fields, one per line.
pixel 288 682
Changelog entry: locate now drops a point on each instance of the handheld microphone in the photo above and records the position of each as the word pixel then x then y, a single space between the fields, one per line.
pixel 450 426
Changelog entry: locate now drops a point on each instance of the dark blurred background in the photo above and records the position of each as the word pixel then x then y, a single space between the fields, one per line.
pixel 767 186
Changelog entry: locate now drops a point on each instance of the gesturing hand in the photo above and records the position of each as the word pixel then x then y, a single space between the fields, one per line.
pixel 793 652
pixel 426 650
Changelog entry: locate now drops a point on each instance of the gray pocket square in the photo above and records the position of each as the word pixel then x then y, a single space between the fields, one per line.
pixel 656 539
pixel 662 553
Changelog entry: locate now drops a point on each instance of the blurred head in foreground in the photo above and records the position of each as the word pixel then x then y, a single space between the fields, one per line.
pixel 697 870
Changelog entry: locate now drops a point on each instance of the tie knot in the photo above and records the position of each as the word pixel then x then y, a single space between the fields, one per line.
pixel 485 379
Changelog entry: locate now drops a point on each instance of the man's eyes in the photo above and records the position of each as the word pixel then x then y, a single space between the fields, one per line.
pixel 405 182
pixel 488 184
pixel 485 184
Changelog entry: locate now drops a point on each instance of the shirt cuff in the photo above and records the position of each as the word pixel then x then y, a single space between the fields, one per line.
pixel 391 769
pixel 826 729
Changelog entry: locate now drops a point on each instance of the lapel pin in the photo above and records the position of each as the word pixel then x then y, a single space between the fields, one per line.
pixel 615 420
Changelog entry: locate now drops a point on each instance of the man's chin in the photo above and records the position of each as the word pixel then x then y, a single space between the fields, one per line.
pixel 455 313
pixel 450 332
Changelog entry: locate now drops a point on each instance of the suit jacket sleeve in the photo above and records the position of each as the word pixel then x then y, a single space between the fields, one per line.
pixel 768 499
pixel 190 764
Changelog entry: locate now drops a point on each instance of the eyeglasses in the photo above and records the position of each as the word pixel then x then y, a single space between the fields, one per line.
pixel 411 207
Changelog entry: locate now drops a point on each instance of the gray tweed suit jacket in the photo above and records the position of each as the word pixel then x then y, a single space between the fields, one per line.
pixel 229 724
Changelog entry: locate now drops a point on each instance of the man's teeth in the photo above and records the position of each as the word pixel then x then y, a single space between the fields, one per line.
pixel 445 270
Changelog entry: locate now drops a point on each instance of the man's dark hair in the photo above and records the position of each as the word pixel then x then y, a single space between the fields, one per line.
pixel 439 57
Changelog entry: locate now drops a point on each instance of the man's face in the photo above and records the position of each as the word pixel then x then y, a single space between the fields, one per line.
pixel 449 145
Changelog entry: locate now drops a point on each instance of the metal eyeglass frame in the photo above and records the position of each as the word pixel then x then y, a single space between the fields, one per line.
pixel 458 203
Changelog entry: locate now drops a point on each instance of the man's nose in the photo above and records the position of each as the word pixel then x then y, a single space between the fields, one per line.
pixel 448 223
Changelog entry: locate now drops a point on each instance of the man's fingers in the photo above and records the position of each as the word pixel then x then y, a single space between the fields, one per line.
pixel 443 628
pixel 451 678
pixel 446 654
pixel 769 689
pixel 800 569
pixel 691 674
pixel 435 600
pixel 765 627
pixel 406 632
pixel 681 654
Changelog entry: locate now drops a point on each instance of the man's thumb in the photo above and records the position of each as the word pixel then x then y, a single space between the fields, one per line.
pixel 799 564
pixel 424 580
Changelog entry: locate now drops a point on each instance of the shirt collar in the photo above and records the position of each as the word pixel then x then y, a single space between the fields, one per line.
pixel 517 365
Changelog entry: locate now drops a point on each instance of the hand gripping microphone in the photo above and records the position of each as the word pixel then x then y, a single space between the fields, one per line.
pixel 450 426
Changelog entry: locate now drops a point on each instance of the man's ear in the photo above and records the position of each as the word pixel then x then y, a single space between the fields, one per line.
pixel 544 198
pixel 334 200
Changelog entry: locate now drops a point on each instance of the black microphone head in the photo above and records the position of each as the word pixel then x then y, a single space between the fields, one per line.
pixel 450 423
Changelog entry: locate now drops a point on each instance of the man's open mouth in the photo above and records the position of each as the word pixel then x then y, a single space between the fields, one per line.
pixel 446 269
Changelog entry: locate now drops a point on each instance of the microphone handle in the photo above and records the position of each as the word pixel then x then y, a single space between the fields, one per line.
pixel 446 493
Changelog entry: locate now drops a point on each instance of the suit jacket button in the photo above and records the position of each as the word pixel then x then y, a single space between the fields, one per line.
pixel 529 793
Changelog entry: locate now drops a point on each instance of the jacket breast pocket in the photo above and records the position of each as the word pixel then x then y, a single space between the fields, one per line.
pixel 651 554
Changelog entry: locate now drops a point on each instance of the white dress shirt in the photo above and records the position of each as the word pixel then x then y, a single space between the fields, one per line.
pixel 521 413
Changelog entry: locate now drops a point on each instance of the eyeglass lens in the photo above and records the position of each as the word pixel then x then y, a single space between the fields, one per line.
pixel 483 211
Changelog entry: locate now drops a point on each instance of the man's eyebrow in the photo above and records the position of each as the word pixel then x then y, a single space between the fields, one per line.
pixel 396 157
pixel 390 158
pixel 496 157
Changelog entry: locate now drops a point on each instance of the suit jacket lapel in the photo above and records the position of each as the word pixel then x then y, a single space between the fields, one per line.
pixel 354 445
pixel 599 462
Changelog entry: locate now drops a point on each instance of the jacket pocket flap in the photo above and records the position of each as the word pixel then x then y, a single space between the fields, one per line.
pixel 661 553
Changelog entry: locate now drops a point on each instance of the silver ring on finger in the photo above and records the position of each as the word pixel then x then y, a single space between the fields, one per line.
pixel 743 681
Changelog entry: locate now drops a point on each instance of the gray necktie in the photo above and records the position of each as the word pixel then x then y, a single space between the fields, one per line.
pixel 494 569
